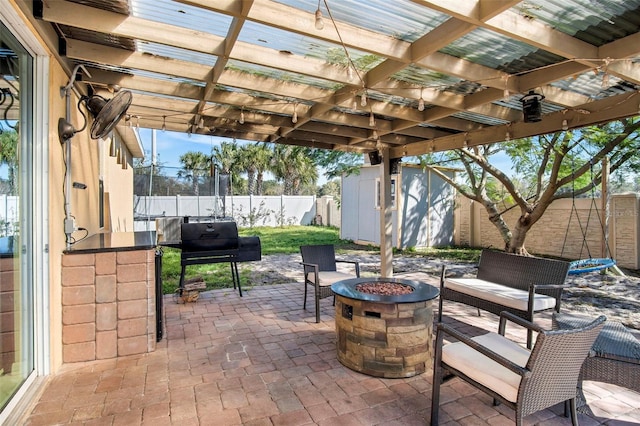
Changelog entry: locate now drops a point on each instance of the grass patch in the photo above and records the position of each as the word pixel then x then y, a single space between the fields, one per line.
pixel 283 240
pixel 287 240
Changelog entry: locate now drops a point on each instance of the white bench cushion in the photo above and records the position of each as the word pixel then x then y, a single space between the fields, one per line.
pixel 501 294
pixel 327 278
pixel 484 370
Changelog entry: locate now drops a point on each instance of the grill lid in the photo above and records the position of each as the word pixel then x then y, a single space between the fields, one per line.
pixel 209 236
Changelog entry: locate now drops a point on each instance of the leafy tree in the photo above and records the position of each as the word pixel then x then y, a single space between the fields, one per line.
pixel 9 157
pixel 336 163
pixel 330 188
pixel 194 165
pixel 548 167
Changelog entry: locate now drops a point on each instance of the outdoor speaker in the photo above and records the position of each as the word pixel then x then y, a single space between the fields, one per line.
pixel 394 165
pixel 532 107
pixel 374 158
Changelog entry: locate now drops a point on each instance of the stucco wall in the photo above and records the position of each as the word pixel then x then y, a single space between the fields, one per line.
pixel 84 203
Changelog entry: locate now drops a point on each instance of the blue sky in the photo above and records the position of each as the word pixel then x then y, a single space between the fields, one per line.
pixel 171 145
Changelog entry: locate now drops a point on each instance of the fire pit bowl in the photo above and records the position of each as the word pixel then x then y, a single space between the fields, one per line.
pixel 384 326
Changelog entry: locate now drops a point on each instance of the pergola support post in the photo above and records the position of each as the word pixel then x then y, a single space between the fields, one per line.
pixel 386 235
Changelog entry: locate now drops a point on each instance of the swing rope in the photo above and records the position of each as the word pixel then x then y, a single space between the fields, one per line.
pixel 590 263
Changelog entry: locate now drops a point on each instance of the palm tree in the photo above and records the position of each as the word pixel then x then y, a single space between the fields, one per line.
pixel 294 166
pixel 254 159
pixel 225 158
pixel 9 157
pixel 262 163
pixel 194 165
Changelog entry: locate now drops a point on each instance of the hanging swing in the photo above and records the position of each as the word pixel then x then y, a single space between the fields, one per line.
pixel 589 264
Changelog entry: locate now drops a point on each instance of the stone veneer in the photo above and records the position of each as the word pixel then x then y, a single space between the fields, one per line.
pixel 390 340
pixel 108 304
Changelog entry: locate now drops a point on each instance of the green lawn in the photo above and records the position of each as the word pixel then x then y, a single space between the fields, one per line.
pixel 284 240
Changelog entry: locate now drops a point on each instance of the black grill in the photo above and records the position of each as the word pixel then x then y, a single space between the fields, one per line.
pixel 216 242
pixel 218 236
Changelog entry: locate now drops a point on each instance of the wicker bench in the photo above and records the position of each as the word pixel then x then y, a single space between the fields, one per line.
pixel 522 285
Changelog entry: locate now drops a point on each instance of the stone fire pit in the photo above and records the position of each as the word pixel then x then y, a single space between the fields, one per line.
pixel 384 326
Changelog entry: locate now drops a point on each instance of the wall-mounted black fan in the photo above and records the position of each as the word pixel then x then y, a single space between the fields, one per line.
pixel 107 114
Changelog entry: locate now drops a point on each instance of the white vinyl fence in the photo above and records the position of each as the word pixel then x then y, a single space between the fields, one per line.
pixel 246 210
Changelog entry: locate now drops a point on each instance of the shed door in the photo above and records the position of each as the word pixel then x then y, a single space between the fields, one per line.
pixel 368 217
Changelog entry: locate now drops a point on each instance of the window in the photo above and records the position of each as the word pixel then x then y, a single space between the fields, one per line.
pixel 393 192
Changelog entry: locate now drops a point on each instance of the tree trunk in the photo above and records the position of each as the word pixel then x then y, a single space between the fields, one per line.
pixel 250 182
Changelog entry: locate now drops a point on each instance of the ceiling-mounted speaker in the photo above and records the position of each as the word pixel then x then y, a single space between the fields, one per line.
pixel 532 107
pixel 394 166
pixel 374 158
pixel 108 113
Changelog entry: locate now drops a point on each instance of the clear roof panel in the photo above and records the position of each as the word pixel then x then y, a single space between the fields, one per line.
pixel 488 48
pixel 182 15
pixel 298 44
pixel 425 77
pixel 176 53
pixel 576 16
pixel 401 19
pixel 282 75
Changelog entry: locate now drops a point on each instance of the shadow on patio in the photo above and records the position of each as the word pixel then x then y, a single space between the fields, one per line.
pixel 262 360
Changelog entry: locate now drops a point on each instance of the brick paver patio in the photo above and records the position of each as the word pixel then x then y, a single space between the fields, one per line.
pixel 262 360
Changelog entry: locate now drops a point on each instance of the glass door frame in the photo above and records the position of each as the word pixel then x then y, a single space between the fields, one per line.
pixel 37 171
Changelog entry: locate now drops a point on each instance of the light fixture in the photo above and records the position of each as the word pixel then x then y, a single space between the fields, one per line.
pixel 242 116
pixel 374 135
pixel 372 120
pixel 363 99
pixel 507 137
pixel 421 101
pixel 107 113
pixel 294 119
pixel 532 107
pixel 113 148
pixel 565 125
pixel 164 123
pixel 124 161
pixel 319 20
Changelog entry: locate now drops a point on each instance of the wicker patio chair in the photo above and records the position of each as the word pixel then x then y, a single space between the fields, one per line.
pixel 525 380
pixel 320 271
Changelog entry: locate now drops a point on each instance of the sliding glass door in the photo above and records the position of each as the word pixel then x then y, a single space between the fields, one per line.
pixel 17 360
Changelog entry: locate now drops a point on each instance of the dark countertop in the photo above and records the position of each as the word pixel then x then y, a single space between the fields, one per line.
pixel 114 241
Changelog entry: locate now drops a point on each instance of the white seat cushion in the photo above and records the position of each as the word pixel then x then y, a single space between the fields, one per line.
pixel 485 370
pixel 501 294
pixel 329 277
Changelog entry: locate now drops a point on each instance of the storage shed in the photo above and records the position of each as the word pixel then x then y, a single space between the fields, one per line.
pixel 423 207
